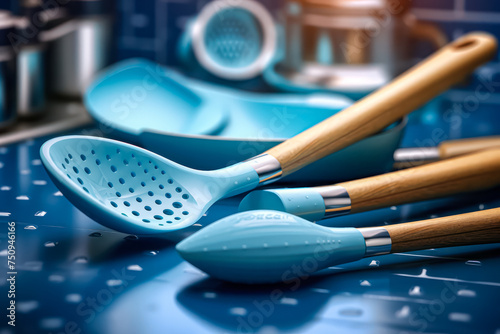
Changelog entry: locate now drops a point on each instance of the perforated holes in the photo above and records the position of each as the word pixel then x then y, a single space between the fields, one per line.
pixel 158 217
pixel 93 152
pixel 97 162
pixel 177 218
pixel 143 183
pixel 121 180
pixel 110 184
pixel 163 172
pixel 63 166
pixel 87 170
pixel 168 212
pixel 161 186
pixel 114 204
pixel 153 178
pixel 178 189
pixel 70 156
pixel 108 157
pixel 133 174
pixel 86 190
pixel 185 213
pixel 135 213
pixel 138 199
pixel 118 194
pixel 150 193
pixel 177 205
pixel 118 151
pixel 68 176
pixel 139 164
pixel 158 202
pixel 146 220
pixel 131 190
pixel 126 203
pixel 76 170
pixel 168 195
pixel 145 170
pixel 67 161
pixel 80 181
pixel 147 208
pixel 83 157
pixel 133 156
pixel 125 162
pixel 156 166
pixel 169 222
pixel 185 196
pixel 170 181
pixel 113 168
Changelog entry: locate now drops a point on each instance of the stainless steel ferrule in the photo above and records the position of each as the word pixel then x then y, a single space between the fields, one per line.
pixel 337 200
pixel 416 154
pixel 267 167
pixel 377 240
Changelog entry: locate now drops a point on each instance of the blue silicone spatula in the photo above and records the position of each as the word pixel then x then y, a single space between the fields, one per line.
pixel 265 246
pixel 472 172
pixel 100 176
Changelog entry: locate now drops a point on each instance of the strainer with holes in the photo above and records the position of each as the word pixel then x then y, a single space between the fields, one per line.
pixel 135 191
pixel 234 40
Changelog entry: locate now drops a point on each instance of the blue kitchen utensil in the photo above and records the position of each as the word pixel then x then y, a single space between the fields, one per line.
pixel 132 190
pixel 135 95
pixel 471 172
pixel 95 173
pixel 266 246
pixel 218 126
pixel 232 40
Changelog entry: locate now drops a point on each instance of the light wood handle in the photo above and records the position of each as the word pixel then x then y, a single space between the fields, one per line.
pixel 480 227
pixel 475 171
pixel 378 110
pixel 453 148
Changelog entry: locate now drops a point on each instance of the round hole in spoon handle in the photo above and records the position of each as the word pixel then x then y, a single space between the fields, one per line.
pixel 481 227
pixel 446 67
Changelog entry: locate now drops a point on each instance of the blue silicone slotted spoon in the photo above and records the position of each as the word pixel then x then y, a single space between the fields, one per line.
pixel 267 246
pixel 132 190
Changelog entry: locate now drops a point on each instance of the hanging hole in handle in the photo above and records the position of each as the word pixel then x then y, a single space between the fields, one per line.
pixel 465 44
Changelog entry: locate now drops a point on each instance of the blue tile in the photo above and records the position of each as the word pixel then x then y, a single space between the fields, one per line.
pixel 441 4
pixel 483 5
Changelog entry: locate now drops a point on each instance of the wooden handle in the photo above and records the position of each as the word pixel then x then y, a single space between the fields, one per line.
pixel 476 171
pixel 453 148
pixel 481 227
pixel 378 110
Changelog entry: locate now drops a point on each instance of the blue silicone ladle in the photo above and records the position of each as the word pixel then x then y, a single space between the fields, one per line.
pixel 135 95
pixel 266 246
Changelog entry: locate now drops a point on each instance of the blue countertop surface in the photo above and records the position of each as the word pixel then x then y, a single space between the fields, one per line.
pixel 74 274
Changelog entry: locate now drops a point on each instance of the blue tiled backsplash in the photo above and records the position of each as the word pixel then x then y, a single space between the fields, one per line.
pixel 151 28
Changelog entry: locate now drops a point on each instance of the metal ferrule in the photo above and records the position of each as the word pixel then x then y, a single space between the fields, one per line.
pixel 267 167
pixel 416 154
pixel 377 240
pixel 337 200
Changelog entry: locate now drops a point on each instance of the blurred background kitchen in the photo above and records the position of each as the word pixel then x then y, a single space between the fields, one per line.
pixel 50 50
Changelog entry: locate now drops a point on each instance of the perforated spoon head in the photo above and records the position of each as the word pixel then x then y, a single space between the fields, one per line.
pixel 132 190
pixel 265 246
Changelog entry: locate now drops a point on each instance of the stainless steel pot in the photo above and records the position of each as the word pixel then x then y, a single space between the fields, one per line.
pixel 351 44
pixel 78 47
